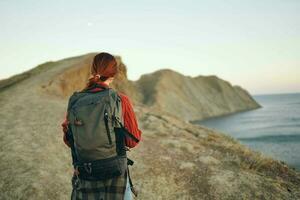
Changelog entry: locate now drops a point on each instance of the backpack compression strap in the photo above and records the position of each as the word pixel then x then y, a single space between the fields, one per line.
pixel 126 132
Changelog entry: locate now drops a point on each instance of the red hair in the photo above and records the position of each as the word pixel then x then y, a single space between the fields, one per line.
pixel 104 66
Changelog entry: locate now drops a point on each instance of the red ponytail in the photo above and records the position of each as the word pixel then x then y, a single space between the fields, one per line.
pixel 104 66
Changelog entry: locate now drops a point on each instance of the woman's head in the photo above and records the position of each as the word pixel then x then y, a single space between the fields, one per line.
pixel 104 67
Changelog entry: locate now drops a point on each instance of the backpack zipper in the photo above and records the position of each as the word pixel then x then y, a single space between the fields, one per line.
pixel 107 127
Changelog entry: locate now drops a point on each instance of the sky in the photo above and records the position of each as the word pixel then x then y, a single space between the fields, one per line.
pixel 254 44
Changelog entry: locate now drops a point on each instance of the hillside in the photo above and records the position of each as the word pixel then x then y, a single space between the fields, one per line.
pixel 165 90
pixel 175 159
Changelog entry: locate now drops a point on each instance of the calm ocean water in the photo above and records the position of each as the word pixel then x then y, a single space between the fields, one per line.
pixel 273 129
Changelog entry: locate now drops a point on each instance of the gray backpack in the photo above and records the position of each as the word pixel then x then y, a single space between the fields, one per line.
pixel 97 144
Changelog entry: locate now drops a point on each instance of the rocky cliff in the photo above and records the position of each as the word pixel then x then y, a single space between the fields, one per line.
pixel 193 98
pixel 175 159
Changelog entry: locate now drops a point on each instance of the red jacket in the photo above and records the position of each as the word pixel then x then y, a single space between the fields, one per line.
pixel 129 117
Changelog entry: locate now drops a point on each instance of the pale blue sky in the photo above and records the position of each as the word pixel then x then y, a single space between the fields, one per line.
pixel 254 44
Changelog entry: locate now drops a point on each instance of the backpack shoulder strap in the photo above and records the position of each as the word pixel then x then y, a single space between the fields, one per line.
pixel 117 111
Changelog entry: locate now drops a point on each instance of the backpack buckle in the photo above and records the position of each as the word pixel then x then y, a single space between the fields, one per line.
pixel 88 167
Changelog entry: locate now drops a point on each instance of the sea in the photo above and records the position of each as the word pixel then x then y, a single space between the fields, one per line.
pixel 273 129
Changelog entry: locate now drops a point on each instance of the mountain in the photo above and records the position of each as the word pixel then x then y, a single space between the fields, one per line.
pixel 174 160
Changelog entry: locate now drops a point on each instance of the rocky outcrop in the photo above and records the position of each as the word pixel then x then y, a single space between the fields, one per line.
pixel 193 98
